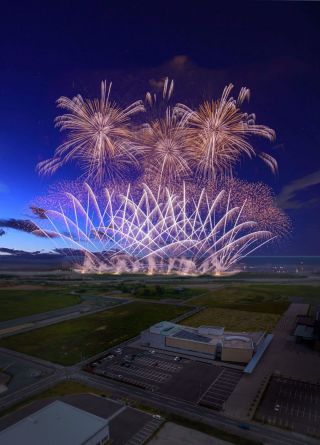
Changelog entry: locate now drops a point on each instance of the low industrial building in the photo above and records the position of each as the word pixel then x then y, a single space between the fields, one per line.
pixel 307 328
pixel 58 423
pixel 203 342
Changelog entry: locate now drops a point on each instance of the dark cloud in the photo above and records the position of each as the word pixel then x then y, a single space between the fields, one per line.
pixel 39 212
pixel 18 252
pixel 25 225
pixel 290 196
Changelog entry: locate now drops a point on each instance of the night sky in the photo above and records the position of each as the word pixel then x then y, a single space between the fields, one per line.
pixel 49 49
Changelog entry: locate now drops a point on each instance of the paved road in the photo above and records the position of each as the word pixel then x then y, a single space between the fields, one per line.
pixel 24 324
pixel 267 434
pixel 195 412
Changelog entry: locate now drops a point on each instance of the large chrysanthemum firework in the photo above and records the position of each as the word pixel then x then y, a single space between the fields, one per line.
pixel 184 212
pixel 170 235
pixel 99 137
pixel 218 133
pixel 167 154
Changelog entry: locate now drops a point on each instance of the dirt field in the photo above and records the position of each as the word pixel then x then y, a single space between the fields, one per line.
pixel 180 435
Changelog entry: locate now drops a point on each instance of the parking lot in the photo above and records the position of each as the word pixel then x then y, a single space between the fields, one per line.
pixel 221 388
pixel 183 378
pixel 291 404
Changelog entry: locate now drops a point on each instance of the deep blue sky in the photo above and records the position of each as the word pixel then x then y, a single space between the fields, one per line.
pixel 49 49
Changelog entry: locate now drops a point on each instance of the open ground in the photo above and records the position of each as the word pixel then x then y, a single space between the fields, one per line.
pixel 72 341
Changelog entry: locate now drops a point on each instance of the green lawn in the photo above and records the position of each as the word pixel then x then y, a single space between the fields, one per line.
pixel 20 303
pixel 158 292
pixel 68 342
pixel 234 320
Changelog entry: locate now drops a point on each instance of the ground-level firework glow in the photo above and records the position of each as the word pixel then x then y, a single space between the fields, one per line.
pixel 184 212
pixel 156 233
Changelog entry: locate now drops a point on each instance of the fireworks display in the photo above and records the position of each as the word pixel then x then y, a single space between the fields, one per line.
pixel 181 143
pixel 99 137
pixel 218 132
pixel 182 211
pixel 177 235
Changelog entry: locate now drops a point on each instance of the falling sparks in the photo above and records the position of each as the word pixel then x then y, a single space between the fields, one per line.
pixel 173 143
pixel 171 235
pixel 218 132
pixel 99 137
pixel 163 196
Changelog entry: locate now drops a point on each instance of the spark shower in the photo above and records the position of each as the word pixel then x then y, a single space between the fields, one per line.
pixel 163 197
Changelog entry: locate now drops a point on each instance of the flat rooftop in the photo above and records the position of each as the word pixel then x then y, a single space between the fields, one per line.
pixel 190 335
pixel 207 334
pixel 56 423
pixel 237 342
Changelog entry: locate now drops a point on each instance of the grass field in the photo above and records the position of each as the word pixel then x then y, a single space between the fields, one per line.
pixel 234 320
pixel 249 307
pixel 267 298
pixel 69 342
pixel 264 298
pixel 158 292
pixel 20 303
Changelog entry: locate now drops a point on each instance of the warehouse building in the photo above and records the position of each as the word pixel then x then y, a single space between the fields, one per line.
pixel 58 423
pixel 203 342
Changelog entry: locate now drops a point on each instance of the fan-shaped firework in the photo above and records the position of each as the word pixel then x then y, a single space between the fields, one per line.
pixel 184 213
pixel 98 137
pixel 218 133
pixel 173 235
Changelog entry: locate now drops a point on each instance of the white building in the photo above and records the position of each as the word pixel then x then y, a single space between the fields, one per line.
pixel 57 423
pixel 201 342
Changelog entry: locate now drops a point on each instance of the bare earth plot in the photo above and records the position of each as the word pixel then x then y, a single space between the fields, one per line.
pixel 174 434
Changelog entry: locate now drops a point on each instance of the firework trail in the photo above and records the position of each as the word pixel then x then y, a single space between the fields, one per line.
pixel 174 143
pixel 167 155
pixel 99 137
pixel 218 133
pixel 183 212
pixel 171 235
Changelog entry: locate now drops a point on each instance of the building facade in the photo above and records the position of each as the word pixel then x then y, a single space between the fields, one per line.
pixel 208 342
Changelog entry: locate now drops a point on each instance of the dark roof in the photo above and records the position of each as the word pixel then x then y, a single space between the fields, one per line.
pixel 304 332
pixel 305 320
pixel 188 335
